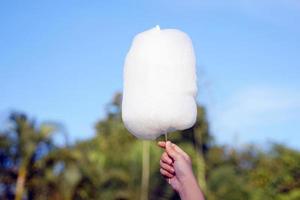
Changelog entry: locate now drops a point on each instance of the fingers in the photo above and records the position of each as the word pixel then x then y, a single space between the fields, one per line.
pixel 162 144
pixel 166 173
pixel 166 167
pixel 171 151
pixel 165 158
pixel 180 151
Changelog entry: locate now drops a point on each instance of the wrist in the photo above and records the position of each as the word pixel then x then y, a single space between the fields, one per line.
pixel 186 183
pixel 190 189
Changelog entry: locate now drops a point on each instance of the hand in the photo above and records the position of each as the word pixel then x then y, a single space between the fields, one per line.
pixel 175 164
pixel 176 167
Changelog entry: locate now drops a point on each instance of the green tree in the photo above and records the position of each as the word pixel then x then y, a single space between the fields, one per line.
pixel 22 145
pixel 116 165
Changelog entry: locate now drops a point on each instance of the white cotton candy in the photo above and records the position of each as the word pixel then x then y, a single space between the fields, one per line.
pixel 160 88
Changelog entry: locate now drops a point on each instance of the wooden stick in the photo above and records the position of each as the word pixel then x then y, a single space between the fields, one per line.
pixel 166 138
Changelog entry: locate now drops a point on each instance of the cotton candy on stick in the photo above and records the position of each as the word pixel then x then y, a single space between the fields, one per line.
pixel 159 94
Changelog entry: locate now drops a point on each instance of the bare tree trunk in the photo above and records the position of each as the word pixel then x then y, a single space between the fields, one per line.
pixel 145 171
pixel 200 166
pixel 21 181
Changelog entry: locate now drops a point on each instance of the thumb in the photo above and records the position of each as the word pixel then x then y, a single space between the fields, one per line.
pixel 171 151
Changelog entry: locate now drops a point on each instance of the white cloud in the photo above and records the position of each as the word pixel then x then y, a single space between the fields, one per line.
pixel 254 109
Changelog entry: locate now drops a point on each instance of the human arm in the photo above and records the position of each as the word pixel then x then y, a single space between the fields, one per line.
pixel 176 167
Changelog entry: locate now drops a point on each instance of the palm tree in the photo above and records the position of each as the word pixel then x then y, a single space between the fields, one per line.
pixel 26 143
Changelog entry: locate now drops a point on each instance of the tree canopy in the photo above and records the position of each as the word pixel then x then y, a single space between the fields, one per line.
pixel 115 165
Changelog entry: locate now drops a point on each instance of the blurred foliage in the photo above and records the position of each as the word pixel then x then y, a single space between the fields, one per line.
pixel 110 165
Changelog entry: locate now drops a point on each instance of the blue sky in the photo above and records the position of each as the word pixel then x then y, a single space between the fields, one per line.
pixel 63 61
